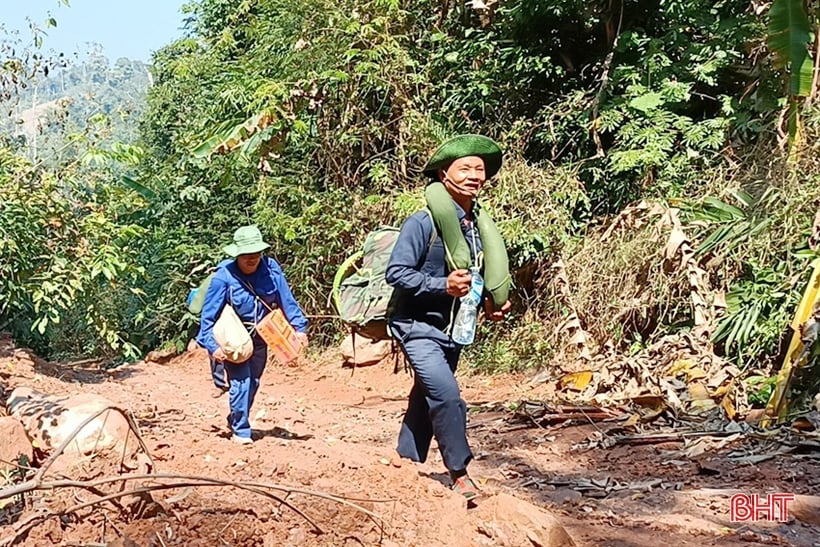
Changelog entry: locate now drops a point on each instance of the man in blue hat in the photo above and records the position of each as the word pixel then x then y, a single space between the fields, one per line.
pixel 253 284
pixel 426 299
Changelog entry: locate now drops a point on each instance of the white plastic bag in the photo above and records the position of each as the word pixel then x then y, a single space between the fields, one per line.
pixel 232 336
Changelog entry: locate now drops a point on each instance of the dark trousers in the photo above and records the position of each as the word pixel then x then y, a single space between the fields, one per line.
pixel 218 374
pixel 244 380
pixel 435 407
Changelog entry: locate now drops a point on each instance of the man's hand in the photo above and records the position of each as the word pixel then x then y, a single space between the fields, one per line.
pixel 492 313
pixel 458 282
pixel 219 356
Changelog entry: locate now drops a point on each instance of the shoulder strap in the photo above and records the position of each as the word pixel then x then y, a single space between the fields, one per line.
pixel 434 233
pixel 252 291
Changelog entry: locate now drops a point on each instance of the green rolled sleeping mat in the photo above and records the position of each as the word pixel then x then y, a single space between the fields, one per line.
pixel 497 280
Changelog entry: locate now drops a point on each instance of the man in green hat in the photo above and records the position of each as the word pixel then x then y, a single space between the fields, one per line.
pixel 427 294
pixel 253 284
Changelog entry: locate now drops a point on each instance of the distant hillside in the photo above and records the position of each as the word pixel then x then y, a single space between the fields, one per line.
pixel 30 121
pixel 95 98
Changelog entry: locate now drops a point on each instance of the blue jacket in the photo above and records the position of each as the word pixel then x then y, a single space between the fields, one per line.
pixel 269 283
pixel 418 270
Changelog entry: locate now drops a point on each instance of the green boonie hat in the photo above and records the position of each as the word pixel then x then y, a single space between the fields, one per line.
pixel 463 146
pixel 246 240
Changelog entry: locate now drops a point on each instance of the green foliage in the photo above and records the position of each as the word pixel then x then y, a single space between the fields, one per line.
pixel 515 345
pixel 756 252
pixel 313 118
pixel 64 260
pixel 665 106
pixel 534 205
pixel 789 34
pixel 758 307
pixel 760 389
pixel 734 226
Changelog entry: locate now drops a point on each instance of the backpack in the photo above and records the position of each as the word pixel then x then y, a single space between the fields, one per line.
pixel 361 294
pixel 196 297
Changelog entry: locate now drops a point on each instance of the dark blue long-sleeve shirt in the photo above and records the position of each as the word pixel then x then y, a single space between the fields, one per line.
pixel 227 286
pixel 418 270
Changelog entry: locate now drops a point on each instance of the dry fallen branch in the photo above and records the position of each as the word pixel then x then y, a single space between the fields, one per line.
pixel 143 490
pixel 182 481
pixel 658 438
pixel 545 414
pixel 37 483
pixel 40 474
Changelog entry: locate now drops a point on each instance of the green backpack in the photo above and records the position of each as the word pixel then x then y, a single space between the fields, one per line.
pixel 196 297
pixel 361 295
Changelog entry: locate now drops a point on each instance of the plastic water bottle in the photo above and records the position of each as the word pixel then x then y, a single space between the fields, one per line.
pixel 466 318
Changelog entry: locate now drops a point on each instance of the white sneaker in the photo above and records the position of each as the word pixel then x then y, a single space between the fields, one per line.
pixel 241 440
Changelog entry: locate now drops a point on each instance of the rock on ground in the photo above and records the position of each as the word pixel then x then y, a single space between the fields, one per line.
pixel 14 443
pixel 365 351
pixel 51 419
pixel 806 509
pixel 507 521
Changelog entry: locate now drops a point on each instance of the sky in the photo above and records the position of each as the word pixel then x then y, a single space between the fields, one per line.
pixel 124 28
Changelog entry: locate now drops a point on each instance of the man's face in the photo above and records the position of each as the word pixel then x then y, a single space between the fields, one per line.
pixel 248 263
pixel 464 177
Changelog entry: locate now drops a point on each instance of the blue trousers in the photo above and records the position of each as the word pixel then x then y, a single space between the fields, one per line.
pixel 218 373
pixel 435 407
pixel 244 382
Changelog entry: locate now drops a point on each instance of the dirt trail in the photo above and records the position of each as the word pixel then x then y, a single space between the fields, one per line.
pixel 323 428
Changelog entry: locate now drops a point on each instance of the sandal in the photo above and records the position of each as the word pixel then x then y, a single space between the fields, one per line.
pixel 465 486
